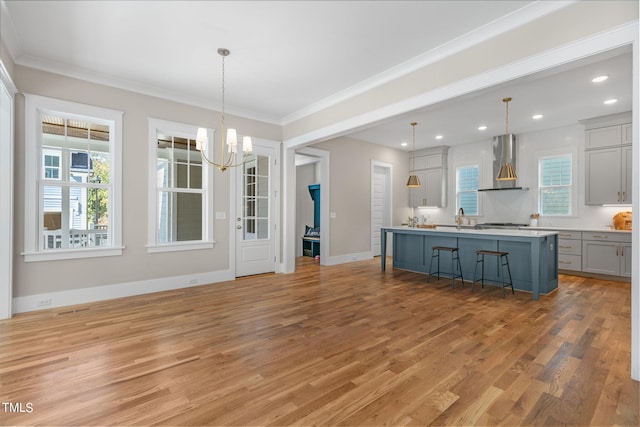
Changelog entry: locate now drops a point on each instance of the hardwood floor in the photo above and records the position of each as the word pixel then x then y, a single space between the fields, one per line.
pixel 340 345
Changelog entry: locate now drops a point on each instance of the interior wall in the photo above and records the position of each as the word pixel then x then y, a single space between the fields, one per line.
pixel 136 264
pixel 517 206
pixel 306 175
pixel 350 200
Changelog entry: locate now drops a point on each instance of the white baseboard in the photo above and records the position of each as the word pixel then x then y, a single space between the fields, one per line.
pixel 343 259
pixel 100 293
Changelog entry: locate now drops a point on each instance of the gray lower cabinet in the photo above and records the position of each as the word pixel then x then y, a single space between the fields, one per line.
pixel 570 250
pixel 412 250
pixel 606 253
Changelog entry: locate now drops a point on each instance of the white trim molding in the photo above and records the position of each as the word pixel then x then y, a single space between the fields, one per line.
pixel 33 223
pixel 119 290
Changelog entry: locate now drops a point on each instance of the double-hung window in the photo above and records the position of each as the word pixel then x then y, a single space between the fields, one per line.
pixel 467 180
pixel 72 180
pixel 180 189
pixel 555 185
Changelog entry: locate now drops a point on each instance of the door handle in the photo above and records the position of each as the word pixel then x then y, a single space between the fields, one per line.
pixel 239 219
pixel 239 227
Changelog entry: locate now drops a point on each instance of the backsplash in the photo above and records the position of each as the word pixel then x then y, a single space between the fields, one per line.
pixel 516 206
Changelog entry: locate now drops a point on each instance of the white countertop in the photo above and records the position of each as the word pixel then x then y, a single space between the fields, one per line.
pixel 590 229
pixel 473 231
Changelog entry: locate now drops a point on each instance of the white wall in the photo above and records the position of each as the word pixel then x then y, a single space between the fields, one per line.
pixel 517 206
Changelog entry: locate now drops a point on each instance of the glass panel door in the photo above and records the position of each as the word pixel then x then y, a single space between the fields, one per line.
pixel 255 198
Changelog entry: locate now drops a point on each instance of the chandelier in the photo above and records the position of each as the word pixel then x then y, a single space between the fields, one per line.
pixel 227 161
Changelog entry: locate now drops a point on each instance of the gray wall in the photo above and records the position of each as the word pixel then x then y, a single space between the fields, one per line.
pixel 350 189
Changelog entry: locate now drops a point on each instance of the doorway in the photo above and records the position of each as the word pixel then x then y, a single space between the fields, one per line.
pixel 381 203
pixel 257 211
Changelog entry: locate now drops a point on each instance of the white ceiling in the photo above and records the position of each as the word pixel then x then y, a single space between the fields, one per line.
pixel 289 58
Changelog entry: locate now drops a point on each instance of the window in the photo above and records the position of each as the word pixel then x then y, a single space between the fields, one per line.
pixel 72 164
pixel 52 165
pixel 467 179
pixel 181 195
pixel 554 186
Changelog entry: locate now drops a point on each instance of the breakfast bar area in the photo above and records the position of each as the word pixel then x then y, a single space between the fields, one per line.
pixel 533 255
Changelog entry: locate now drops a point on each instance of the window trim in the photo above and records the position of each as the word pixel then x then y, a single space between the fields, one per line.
pixel 34 106
pixel 478 198
pixel 186 131
pixel 573 192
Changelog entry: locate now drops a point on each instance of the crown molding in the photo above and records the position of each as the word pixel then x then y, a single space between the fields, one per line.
pixel 6 80
pixel 598 43
pixel 133 86
pixel 506 23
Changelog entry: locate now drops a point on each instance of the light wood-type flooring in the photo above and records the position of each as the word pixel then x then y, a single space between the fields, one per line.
pixel 339 345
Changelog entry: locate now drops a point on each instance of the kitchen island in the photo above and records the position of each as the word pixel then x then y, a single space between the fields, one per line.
pixel 533 257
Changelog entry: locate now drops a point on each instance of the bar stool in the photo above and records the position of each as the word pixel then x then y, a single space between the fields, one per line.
pixel 504 261
pixel 435 253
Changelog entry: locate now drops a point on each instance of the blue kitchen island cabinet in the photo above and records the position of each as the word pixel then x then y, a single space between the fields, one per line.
pixel 533 255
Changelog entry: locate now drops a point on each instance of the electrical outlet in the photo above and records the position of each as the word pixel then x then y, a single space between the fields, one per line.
pixel 45 302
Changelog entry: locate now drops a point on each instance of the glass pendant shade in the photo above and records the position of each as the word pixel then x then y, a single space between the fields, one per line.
pixel 232 140
pixel 202 139
pixel 247 146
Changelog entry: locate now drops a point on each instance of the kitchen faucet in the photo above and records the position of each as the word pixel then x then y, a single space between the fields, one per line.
pixel 459 219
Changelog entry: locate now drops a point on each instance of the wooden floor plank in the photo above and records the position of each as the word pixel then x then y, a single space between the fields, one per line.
pixel 337 345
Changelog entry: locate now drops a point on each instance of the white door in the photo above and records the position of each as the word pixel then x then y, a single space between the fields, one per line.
pixel 255 220
pixel 380 203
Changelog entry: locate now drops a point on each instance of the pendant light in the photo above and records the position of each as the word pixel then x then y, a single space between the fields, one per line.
pixel 413 181
pixel 507 171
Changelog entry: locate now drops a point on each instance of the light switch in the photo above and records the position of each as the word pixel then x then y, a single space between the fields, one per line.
pixel 332 214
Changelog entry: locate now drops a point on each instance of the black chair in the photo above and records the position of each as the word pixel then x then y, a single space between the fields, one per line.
pixel 435 253
pixel 504 261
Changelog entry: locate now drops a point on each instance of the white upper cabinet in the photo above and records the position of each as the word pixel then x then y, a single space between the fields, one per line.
pixel 608 158
pixel 604 137
pixel 431 169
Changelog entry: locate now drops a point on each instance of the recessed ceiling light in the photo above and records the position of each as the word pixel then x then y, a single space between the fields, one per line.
pixel 537 116
pixel 404 144
pixel 483 127
pixel 599 79
pixel 611 101
pixel 439 137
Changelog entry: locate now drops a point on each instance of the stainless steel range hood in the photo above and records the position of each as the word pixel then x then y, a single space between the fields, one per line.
pixel 504 152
